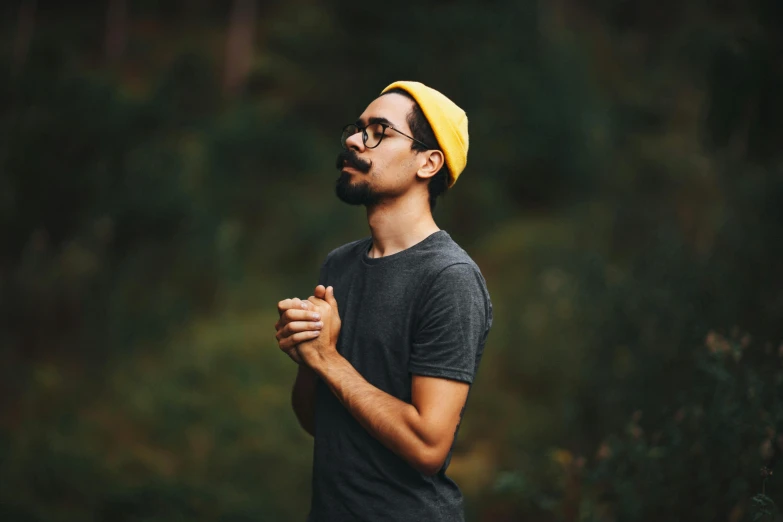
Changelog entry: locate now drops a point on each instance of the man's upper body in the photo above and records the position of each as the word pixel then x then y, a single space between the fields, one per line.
pixel 390 342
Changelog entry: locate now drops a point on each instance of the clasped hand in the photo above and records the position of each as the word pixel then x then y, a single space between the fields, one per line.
pixel 308 330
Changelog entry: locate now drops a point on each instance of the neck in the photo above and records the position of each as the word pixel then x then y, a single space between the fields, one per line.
pixel 399 224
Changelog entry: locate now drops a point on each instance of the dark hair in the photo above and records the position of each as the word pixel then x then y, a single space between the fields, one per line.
pixel 422 131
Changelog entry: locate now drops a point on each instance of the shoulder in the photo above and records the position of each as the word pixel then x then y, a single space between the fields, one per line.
pixel 460 281
pixel 446 259
pixel 450 268
pixel 455 288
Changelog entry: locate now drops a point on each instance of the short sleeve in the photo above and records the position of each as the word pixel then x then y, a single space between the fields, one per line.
pixel 453 321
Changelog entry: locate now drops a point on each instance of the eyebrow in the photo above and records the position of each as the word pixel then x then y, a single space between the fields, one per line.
pixel 374 119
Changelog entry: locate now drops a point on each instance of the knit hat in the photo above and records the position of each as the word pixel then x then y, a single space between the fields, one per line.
pixel 448 122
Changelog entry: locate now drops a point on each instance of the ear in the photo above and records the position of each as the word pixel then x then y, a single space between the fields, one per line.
pixel 431 163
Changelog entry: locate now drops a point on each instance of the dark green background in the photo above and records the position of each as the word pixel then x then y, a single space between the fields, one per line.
pixel 162 188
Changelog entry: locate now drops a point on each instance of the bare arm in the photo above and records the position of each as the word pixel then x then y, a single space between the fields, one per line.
pixel 303 398
pixel 421 432
pixel 298 321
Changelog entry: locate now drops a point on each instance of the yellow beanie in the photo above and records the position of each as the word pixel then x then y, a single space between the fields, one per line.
pixel 448 122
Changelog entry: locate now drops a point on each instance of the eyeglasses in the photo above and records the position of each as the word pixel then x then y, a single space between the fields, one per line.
pixel 373 134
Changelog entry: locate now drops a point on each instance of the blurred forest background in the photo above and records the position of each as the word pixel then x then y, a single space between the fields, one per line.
pixel 166 176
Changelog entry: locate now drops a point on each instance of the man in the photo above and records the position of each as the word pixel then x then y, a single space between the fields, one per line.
pixel 390 343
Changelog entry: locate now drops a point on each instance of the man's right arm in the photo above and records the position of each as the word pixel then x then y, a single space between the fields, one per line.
pixel 299 323
pixel 303 398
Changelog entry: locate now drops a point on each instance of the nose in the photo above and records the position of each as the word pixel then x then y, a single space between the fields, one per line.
pixel 355 142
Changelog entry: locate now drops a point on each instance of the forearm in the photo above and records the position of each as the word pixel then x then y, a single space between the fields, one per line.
pixel 303 398
pixel 396 424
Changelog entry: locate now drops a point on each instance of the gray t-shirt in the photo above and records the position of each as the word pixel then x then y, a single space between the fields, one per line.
pixel 424 311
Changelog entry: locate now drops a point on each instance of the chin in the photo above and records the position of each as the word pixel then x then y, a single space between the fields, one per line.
pixel 354 193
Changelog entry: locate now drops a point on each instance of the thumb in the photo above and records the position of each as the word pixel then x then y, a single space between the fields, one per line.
pixel 330 297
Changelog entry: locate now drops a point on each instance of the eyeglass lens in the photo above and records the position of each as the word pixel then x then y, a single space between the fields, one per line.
pixel 372 135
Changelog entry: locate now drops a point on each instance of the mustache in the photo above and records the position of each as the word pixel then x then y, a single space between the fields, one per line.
pixel 349 158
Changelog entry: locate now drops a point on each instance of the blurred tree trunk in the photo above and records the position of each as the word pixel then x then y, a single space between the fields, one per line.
pixel 24 34
pixel 116 29
pixel 239 45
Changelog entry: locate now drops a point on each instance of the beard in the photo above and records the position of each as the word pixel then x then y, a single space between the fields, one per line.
pixel 360 192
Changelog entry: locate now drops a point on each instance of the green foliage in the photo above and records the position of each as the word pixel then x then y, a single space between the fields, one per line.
pixel 623 199
pixel 707 447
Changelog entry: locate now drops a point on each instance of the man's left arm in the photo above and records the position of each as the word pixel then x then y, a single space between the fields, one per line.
pixel 422 432
pixel 454 325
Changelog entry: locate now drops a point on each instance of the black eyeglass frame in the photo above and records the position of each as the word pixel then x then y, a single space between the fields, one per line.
pixel 384 126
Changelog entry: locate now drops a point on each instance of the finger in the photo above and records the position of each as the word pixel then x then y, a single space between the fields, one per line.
pixel 287 343
pixel 320 291
pixel 304 336
pixel 297 326
pixel 298 315
pixel 300 326
pixel 315 301
pixel 283 305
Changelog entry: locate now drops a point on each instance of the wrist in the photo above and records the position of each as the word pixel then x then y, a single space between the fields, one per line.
pixel 325 361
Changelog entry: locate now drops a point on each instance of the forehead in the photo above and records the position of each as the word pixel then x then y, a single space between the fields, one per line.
pixel 392 107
